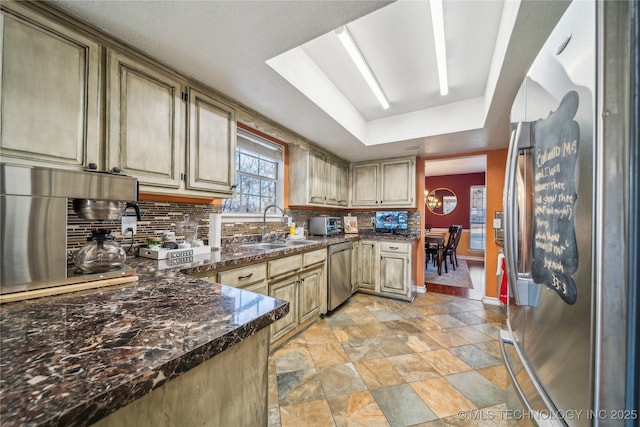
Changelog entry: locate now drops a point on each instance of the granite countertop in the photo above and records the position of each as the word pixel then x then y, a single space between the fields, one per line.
pixel 72 359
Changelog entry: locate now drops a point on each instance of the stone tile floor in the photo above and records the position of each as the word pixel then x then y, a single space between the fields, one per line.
pixel 381 362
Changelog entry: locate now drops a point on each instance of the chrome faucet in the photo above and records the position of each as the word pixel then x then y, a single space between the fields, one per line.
pixel 264 219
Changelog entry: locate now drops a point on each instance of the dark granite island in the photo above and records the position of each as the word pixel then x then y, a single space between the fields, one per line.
pixel 169 350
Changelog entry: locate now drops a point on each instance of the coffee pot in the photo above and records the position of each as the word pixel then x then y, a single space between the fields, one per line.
pixel 103 209
pixel 101 253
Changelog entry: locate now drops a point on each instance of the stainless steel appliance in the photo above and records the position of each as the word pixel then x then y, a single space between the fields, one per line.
pixel 571 335
pixel 339 280
pixel 33 216
pixel 324 225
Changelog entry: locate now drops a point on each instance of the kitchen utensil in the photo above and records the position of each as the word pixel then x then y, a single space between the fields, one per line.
pixel 103 209
pixel 101 254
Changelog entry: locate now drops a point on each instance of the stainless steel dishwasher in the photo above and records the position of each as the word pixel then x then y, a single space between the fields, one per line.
pixel 339 281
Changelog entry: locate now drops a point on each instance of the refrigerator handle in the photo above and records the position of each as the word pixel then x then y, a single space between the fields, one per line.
pixel 509 204
pixel 524 290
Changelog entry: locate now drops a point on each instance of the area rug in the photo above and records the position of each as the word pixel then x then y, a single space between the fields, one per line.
pixel 460 277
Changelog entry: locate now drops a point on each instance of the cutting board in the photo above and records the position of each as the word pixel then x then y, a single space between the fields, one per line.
pixel 38 293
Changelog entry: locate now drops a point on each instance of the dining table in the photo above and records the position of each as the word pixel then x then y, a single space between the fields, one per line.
pixel 436 238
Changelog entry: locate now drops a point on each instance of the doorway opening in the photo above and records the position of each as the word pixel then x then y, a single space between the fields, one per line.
pixel 459 184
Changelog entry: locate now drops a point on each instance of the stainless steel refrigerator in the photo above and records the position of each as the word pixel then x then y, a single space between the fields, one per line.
pixel 570 209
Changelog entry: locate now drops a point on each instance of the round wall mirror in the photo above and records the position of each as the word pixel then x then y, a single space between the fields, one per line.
pixel 441 201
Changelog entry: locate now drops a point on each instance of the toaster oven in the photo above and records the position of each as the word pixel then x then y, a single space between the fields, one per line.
pixel 324 225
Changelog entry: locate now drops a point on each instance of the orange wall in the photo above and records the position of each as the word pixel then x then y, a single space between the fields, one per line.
pixel 496 163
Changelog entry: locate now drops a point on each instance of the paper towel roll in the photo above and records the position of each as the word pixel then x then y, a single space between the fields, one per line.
pixel 215 231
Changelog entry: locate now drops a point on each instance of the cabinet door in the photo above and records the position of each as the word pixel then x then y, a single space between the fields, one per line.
pixel 342 180
pixel 287 290
pixel 212 144
pixel 355 266
pixel 145 137
pixel 394 274
pixel 331 183
pixel 317 178
pixel 368 265
pixel 364 188
pixel 309 294
pixel 337 185
pixel 50 93
pixel 397 182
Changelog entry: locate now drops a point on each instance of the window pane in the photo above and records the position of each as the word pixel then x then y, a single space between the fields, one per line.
pixel 252 186
pixel 477 215
pixel 476 237
pixel 268 188
pixel 248 163
pixel 268 169
pixel 257 165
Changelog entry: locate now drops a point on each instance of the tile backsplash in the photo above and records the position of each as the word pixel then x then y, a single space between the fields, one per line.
pixel 162 216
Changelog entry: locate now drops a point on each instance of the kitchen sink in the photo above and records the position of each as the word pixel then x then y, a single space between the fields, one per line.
pixel 277 245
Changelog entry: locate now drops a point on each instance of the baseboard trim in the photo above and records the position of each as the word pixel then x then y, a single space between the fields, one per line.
pixel 474 258
pixel 491 301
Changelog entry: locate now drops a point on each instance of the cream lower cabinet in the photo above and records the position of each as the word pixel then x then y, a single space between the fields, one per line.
pixel 249 278
pixel 366 265
pixel 301 280
pixel 50 94
pixel 388 183
pixel 384 268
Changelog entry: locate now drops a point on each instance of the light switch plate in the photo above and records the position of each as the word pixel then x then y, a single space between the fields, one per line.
pixel 129 222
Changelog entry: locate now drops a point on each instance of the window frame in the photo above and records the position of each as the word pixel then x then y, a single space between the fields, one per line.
pixel 253 136
pixel 484 217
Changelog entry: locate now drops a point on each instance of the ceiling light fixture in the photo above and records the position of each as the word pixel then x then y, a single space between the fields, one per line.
pixel 358 59
pixel 437 19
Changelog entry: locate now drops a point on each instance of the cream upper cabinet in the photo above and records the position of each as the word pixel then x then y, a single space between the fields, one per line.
pixel 147 137
pixel 316 179
pixel 337 185
pixel 145 117
pixel 50 93
pixel 364 190
pixel 389 183
pixel 211 144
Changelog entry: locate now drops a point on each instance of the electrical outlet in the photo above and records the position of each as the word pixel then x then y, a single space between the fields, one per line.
pixel 129 222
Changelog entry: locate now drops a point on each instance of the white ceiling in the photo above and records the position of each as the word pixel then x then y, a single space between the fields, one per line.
pixel 455 166
pixel 226 45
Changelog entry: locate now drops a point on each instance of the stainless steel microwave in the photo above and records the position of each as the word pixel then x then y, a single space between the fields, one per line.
pixel 324 225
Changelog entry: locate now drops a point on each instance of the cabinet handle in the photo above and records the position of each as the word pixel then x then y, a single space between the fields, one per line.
pixel 93 166
pixel 393 247
pixel 115 169
pixel 246 276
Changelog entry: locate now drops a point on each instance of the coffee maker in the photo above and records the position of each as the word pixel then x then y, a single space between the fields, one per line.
pixel 33 217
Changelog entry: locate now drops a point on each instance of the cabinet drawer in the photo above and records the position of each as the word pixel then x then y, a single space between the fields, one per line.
pixel 240 277
pixel 398 247
pixel 314 257
pixel 284 265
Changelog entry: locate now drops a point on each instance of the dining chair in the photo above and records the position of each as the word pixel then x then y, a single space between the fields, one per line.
pixel 455 232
